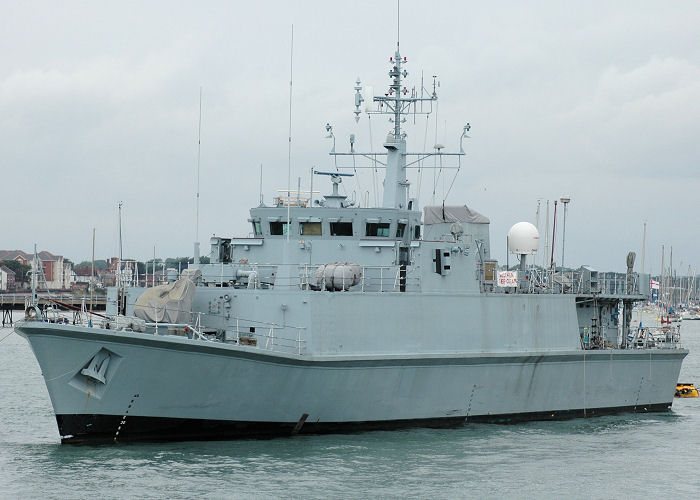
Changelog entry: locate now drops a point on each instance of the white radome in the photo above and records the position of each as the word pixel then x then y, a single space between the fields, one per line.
pixel 523 239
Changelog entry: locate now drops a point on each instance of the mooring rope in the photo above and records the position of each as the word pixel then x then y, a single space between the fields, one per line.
pixel 11 332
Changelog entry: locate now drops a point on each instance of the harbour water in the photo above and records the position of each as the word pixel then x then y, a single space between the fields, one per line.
pixel 622 456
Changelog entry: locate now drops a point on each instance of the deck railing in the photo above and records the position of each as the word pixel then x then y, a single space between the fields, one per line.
pixel 579 282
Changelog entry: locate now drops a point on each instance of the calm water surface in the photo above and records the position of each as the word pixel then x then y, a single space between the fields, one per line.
pixel 625 456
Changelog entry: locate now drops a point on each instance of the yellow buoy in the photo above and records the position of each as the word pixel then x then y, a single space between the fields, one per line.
pixel 686 391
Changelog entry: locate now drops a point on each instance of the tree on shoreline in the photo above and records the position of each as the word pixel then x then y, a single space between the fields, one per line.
pixel 19 269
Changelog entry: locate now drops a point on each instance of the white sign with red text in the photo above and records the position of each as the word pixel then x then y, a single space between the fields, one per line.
pixel 507 278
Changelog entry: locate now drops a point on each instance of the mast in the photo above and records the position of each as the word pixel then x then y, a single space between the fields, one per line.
pixel 565 201
pixel 289 148
pixel 537 225
pixel 199 151
pixel 261 184
pixel 670 277
pixel 554 232
pixel 311 189
pixel 92 272
pixel 396 186
pixel 398 101
pixel 119 263
pixel 35 269
pixel 546 239
pixel 644 247
pixel 662 285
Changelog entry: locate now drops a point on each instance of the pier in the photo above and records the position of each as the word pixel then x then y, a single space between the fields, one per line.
pixel 6 315
pixel 18 301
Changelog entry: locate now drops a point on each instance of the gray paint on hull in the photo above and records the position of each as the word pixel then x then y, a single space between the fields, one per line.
pixel 175 379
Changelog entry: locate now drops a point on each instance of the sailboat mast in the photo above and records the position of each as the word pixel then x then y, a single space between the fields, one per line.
pixel 119 263
pixel 35 270
pixel 644 247
pixel 662 285
pixel 546 240
pixel 670 277
pixel 92 272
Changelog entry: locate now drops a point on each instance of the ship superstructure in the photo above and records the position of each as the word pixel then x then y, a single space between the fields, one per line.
pixel 334 317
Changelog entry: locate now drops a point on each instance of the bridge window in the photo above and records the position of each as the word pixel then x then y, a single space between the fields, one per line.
pixel 257 228
pixel 416 232
pixel 341 228
pixel 310 228
pixel 400 229
pixel 278 228
pixel 378 229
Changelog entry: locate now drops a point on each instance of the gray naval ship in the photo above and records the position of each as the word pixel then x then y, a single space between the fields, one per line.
pixel 331 317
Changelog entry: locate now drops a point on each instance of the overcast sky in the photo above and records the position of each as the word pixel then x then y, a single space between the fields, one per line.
pixel 99 104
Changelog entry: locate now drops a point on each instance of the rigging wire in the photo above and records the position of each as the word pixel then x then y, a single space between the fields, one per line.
pixel 443 177
pixel 357 177
pixel 420 163
pixel 374 170
pixel 435 179
pixel 453 182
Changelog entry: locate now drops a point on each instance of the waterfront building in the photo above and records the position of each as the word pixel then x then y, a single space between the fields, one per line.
pixel 7 279
pixel 57 270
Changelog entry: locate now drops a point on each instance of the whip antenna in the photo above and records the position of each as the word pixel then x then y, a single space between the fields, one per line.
pixel 199 151
pixel 289 150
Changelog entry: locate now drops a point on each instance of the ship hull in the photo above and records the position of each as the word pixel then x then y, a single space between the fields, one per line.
pixel 82 428
pixel 173 388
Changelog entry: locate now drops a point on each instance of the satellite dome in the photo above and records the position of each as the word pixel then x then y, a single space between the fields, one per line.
pixel 523 239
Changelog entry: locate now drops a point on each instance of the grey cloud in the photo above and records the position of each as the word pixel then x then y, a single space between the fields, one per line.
pixel 98 103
